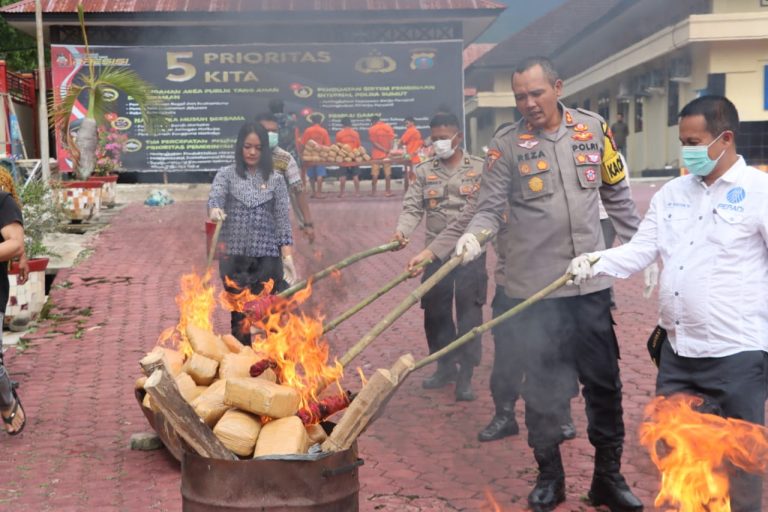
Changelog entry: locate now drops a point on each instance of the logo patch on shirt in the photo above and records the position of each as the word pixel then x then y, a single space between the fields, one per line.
pixel 542 165
pixel 432 177
pixel 432 193
pixel 581 127
pixel 471 174
pixel 536 184
pixel 581 158
pixel 590 174
pixel 582 136
pixel 525 169
pixel 568 118
pixel 528 144
pixel 433 203
pixel 736 195
pixel 593 158
pixel 526 136
pixel 493 155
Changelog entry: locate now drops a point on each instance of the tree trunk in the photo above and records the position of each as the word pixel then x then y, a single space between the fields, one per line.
pixel 87 143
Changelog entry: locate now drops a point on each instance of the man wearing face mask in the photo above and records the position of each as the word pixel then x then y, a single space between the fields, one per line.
pixel 710 229
pixel 286 165
pixel 441 188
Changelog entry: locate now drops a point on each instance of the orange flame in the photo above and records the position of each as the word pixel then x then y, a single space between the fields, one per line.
pixel 691 450
pixel 493 504
pixel 196 305
pixel 363 379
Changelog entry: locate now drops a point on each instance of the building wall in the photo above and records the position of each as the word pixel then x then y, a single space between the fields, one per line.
pixel 724 6
pixel 744 64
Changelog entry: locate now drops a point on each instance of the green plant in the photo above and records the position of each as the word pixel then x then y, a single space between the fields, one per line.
pixel 42 215
pixel 92 85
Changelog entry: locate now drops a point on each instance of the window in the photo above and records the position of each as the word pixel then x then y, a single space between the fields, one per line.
pixel 715 84
pixel 638 114
pixel 622 107
pixel 752 142
pixel 604 106
pixel 673 103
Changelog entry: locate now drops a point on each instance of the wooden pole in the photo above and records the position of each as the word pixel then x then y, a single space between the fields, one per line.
pixel 42 106
pixel 480 329
pixel 214 243
pixel 371 298
pixel 338 266
pixel 165 395
pixel 412 298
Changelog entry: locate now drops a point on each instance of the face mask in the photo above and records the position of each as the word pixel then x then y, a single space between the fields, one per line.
pixel 696 158
pixel 444 148
pixel 273 139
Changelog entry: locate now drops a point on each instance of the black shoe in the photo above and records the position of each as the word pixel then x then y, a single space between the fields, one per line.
pixel 569 430
pixel 464 391
pixel 502 425
pixel 608 485
pixel 444 375
pixel 550 484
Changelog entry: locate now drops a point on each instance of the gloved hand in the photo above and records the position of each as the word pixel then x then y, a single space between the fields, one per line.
pixel 217 215
pixel 469 246
pixel 580 269
pixel 650 278
pixel 289 271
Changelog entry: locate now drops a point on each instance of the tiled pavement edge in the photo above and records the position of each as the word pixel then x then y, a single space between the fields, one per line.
pixel 77 379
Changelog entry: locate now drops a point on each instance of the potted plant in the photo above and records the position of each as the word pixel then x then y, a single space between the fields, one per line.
pixel 108 163
pixel 41 217
pixel 80 199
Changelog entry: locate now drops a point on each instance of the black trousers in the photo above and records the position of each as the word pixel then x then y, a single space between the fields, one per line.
pixel 248 273
pixel 733 387
pixel 508 365
pixel 468 284
pixel 564 339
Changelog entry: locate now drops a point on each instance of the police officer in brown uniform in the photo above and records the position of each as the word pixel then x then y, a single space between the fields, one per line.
pixel 442 187
pixel 550 168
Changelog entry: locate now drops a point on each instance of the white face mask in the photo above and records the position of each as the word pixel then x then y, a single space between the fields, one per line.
pixel 444 148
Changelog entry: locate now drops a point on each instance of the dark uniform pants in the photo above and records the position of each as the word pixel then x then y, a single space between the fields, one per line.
pixel 733 387
pixel 251 273
pixel 563 339
pixel 469 285
pixel 508 367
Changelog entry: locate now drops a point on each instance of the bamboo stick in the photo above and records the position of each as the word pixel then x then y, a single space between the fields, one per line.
pixel 480 329
pixel 340 265
pixel 214 243
pixel 412 298
pixel 371 298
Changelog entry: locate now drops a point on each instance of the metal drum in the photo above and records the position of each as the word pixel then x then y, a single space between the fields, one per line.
pixel 324 482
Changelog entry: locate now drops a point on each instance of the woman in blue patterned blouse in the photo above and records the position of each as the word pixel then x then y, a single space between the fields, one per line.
pixel 252 201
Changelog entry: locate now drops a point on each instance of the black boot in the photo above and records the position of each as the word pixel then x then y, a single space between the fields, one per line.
pixel 502 425
pixel 445 374
pixel 550 484
pixel 464 384
pixel 608 486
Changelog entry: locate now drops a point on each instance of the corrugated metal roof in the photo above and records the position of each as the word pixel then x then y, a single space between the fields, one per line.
pixel 136 6
pixel 475 51
pixel 546 34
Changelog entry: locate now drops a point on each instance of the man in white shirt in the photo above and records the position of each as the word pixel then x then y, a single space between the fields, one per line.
pixel 711 230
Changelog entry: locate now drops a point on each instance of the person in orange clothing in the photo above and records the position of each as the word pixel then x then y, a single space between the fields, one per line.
pixel 349 136
pixel 316 173
pixel 413 142
pixel 381 136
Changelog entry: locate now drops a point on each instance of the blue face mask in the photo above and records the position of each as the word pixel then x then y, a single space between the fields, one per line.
pixel 696 158
pixel 273 139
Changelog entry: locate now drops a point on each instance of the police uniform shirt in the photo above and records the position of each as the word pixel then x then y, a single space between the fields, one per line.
pixel 439 193
pixel 552 182
pixel 713 242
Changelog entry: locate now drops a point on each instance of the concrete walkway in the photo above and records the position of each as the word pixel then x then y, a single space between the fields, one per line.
pixel 77 378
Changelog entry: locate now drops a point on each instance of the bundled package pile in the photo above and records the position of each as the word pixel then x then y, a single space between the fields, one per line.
pixel 339 153
pixel 250 416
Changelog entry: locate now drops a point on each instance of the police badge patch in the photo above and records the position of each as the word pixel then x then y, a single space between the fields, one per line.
pixel 490 159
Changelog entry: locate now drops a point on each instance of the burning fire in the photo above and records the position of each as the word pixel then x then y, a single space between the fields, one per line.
pixel 492 503
pixel 692 450
pixel 196 304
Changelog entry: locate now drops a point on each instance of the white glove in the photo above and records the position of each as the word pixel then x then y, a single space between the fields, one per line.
pixel 289 270
pixel 217 215
pixel 580 269
pixel 651 279
pixel 469 246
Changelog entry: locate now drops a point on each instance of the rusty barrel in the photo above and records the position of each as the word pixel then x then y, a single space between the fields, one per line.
pixel 323 482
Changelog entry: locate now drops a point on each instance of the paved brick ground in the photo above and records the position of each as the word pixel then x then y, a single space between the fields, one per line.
pixel 77 379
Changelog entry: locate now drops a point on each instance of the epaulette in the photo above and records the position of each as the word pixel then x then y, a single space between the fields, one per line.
pixel 591 114
pixel 507 129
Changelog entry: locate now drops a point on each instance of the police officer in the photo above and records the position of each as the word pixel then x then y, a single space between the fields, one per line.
pixel 550 168
pixel 441 189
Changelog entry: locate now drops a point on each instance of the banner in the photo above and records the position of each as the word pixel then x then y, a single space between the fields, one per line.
pixel 210 91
